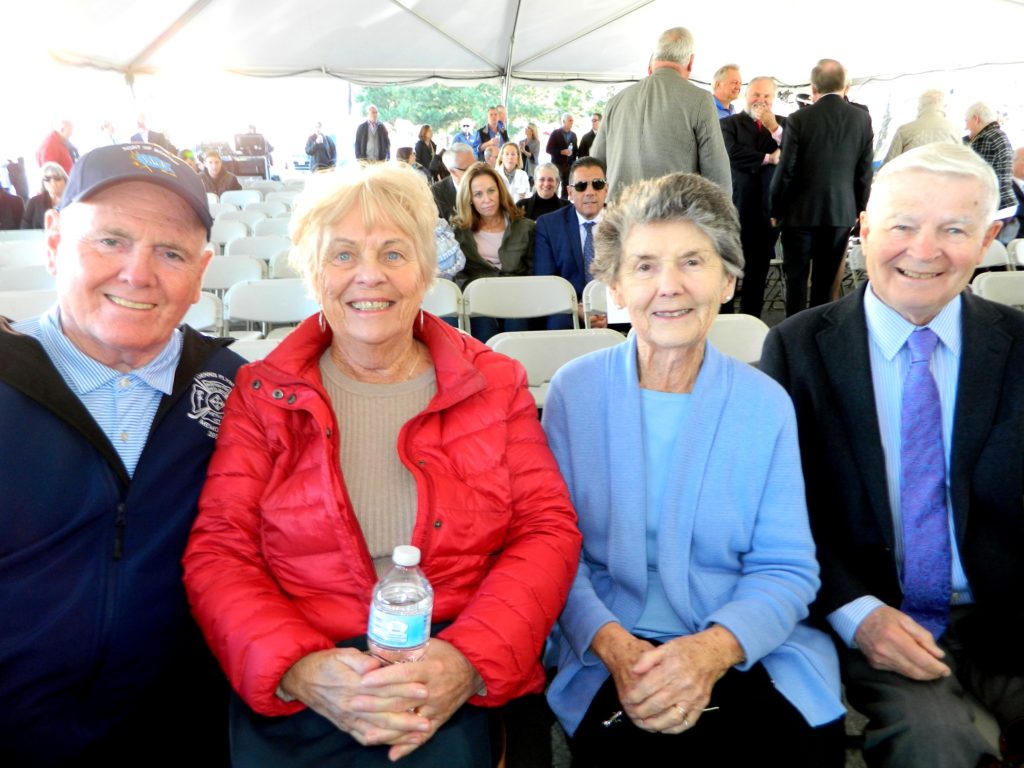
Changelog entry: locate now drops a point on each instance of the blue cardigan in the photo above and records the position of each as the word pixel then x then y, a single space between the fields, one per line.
pixel 735 547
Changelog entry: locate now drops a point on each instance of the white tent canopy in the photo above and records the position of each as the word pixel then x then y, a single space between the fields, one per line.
pixel 401 41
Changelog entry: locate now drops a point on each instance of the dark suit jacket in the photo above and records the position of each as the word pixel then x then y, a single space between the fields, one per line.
pixel 824 175
pixel 821 357
pixel 383 142
pixel 558 250
pixel 444 195
pixel 483 136
pixel 751 179
pixel 155 137
pixel 557 142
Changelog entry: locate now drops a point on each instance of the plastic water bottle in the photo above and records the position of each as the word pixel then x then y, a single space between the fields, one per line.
pixel 403 601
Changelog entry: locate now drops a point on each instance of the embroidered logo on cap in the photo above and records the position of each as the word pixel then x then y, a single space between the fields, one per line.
pixel 209 393
pixel 152 163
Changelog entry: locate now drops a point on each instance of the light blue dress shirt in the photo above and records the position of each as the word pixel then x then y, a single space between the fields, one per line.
pixel 123 404
pixel 890 360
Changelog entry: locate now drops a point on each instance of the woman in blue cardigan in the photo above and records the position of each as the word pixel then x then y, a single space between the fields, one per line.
pixel 687 613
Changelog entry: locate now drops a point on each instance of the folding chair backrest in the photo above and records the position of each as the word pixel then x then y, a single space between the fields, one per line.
pixel 1002 287
pixel 279 302
pixel 520 297
pixel 219 209
pixel 739 336
pixel 224 271
pixel 249 218
pixel 444 299
pixel 542 353
pixel 277 226
pixel 22 253
pixel 255 349
pixel 269 207
pixel 595 300
pixel 995 256
pixel 32 277
pixel 280 268
pixel 284 196
pixel 241 197
pixel 39 235
pixel 265 247
pixel 207 314
pixel 21 305
pixel 223 232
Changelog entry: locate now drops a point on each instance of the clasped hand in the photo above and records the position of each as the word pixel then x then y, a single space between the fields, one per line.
pixel 665 688
pixel 399 704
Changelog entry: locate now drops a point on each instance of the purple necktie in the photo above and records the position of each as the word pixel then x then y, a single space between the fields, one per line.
pixel 927 557
pixel 588 245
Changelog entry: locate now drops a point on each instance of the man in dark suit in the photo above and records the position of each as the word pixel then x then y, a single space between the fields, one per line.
pixel 821 184
pixel 446 190
pixel 493 134
pixel 914 467
pixel 563 147
pixel 152 137
pixel 752 139
pixel 564 240
pixel 372 142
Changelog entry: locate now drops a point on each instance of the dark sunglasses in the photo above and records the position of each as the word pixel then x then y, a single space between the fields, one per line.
pixel 597 184
pixel 53 178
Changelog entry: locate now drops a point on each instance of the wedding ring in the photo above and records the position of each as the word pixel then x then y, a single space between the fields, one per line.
pixel 681 711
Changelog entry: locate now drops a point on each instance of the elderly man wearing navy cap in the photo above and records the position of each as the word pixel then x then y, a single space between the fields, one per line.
pixel 109 410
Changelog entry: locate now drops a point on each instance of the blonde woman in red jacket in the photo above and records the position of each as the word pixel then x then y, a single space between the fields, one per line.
pixel 375 424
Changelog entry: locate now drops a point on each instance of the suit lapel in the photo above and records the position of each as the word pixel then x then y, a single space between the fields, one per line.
pixel 984 351
pixel 843 345
pixel 572 231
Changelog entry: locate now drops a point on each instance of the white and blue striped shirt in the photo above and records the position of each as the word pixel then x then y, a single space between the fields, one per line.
pixel 123 404
pixel 890 360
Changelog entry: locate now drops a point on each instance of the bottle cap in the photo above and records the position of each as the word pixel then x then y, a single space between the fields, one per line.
pixel 406 555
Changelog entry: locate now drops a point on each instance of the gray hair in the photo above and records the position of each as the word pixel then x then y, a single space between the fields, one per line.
pixel 566 116
pixel 676 197
pixel 460 146
pixel 548 167
pixel 723 71
pixel 675 45
pixel 983 111
pixel 933 98
pixel 828 76
pixel 940 158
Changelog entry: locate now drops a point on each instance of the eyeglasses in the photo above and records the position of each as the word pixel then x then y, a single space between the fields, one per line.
pixel 54 178
pixel 597 184
pixel 466 125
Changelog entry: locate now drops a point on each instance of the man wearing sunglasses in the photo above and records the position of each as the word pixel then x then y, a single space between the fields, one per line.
pixel 467 135
pixel 564 243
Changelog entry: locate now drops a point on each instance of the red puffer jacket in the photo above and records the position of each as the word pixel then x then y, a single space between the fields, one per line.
pixel 277 568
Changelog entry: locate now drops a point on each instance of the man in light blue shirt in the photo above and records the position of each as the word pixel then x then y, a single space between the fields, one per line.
pixel 854 373
pixel 726 89
pixel 109 411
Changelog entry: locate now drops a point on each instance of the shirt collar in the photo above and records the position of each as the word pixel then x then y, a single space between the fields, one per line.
pixel 582 220
pixel 890 330
pixel 84 374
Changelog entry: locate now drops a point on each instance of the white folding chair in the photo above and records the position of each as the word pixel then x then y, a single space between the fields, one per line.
pixel 1002 287
pixel 855 262
pixel 739 336
pixel 269 207
pixel 22 253
pixel 1013 250
pixel 595 300
pixel 38 235
pixel 249 218
pixel 21 305
pixel 224 232
pixel 268 302
pixel 224 271
pixel 277 226
pixel 33 277
pixel 212 199
pixel 996 256
pixel 207 314
pixel 241 197
pixel 254 349
pixel 280 268
pixel 264 247
pixel 520 297
pixel 284 196
pixel 219 209
pixel 544 352
pixel 444 299
pixel 295 185
pixel 265 186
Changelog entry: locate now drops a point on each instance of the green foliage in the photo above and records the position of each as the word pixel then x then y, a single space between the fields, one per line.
pixel 443 106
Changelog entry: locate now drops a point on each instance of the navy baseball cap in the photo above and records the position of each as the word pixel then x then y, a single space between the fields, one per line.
pixel 107 165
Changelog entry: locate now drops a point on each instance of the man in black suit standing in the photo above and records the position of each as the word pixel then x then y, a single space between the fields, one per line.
pixel 144 135
pixel 563 146
pixel 821 184
pixel 752 139
pixel 910 408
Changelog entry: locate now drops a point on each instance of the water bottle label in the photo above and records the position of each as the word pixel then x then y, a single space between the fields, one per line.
pixel 398 631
